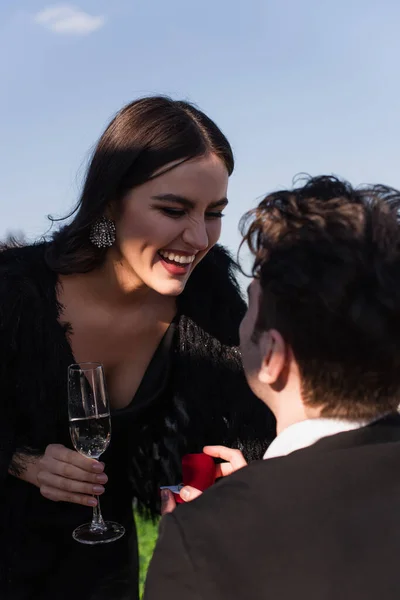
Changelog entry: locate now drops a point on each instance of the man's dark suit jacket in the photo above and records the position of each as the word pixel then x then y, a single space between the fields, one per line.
pixel 320 524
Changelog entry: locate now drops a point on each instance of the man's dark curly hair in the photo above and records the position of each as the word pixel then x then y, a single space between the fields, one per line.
pixel 328 260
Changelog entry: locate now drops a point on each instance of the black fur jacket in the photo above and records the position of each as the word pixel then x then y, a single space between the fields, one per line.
pixel 205 397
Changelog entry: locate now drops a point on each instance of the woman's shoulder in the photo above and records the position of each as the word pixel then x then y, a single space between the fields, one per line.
pixel 24 274
pixel 16 258
pixel 213 299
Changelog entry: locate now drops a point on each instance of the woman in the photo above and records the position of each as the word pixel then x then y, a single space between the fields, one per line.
pixel 135 282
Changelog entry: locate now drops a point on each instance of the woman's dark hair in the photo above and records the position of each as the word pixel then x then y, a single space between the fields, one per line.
pixel 142 138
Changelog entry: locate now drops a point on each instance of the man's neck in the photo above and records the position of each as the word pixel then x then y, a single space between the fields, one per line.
pixel 285 418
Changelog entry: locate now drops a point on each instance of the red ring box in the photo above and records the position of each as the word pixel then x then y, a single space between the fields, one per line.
pixel 198 471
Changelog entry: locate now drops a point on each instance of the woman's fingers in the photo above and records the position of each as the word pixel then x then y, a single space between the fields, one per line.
pixel 65 455
pixel 68 485
pixel 234 459
pixel 70 471
pixel 66 476
pixel 58 495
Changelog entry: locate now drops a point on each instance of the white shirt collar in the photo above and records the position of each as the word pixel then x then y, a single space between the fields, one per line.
pixel 306 433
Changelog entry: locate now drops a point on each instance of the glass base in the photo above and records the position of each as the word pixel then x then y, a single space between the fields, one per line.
pixel 86 535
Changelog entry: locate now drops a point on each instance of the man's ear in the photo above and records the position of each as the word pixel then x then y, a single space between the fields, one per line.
pixel 273 353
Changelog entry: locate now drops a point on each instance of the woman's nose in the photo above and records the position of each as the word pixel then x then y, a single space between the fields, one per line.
pixel 196 236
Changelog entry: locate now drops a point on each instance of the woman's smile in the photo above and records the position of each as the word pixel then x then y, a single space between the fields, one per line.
pixel 176 262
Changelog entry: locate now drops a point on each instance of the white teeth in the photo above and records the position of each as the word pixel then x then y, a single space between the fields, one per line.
pixel 178 258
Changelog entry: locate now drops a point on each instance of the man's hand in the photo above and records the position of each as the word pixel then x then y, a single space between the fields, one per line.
pixel 234 461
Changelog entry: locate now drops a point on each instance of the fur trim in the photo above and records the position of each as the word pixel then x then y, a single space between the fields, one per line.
pixel 205 400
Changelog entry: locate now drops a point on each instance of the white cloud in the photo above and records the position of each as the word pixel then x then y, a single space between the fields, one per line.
pixel 66 19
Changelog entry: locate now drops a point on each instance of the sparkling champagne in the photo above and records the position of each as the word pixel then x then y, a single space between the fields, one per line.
pixel 91 436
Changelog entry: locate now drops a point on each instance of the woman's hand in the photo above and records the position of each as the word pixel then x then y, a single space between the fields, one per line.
pixel 63 475
pixel 234 461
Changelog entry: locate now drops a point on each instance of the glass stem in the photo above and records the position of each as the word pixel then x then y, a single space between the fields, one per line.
pixel 97 523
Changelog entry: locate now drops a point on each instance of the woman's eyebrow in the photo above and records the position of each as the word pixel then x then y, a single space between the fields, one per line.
pixel 186 202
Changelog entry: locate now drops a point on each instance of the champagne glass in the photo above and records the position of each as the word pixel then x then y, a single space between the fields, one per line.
pixel 90 429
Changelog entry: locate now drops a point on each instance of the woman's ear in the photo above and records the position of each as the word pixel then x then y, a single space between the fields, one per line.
pixel 111 212
pixel 272 350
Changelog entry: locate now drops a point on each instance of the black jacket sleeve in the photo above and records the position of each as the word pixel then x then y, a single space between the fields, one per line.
pixel 20 327
pixel 171 573
pixel 9 310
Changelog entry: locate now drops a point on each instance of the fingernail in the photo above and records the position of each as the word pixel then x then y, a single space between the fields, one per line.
pixel 102 478
pixel 92 502
pixel 185 494
pixel 98 467
pixel 98 489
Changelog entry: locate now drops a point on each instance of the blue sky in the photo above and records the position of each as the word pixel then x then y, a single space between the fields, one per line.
pixel 296 85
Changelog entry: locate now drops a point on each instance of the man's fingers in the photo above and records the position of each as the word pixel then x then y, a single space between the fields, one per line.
pixel 57 495
pixel 231 455
pixel 234 459
pixel 168 503
pixel 223 469
pixel 189 493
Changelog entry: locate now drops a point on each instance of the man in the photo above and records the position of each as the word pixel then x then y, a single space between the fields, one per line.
pixel 319 518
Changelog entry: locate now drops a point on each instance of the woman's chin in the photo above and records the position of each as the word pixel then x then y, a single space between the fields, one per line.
pixel 170 287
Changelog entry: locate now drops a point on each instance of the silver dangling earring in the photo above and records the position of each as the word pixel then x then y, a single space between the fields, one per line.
pixel 102 233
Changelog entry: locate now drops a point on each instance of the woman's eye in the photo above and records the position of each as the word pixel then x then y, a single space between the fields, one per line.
pixel 173 212
pixel 214 215
pixel 177 213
